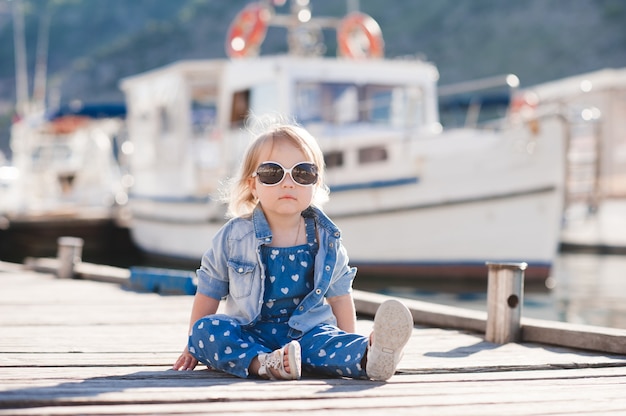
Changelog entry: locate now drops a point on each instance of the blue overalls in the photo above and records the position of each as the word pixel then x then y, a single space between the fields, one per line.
pixel 223 343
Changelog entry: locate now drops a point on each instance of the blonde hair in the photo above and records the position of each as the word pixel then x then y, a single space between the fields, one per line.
pixel 240 199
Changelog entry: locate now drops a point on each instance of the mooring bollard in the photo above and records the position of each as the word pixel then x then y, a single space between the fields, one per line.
pixel 69 253
pixel 505 295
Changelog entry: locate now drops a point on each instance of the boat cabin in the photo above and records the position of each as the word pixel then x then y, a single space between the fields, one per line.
pixel 192 118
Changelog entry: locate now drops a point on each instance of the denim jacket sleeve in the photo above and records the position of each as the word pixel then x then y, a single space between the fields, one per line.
pixel 213 271
pixel 231 271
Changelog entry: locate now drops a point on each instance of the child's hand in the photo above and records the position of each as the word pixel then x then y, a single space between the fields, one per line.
pixel 186 361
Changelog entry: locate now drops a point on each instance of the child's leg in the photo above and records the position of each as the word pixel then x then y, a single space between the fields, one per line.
pixel 222 343
pixel 332 352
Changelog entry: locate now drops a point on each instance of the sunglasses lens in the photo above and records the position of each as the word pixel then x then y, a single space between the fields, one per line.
pixel 270 173
pixel 305 173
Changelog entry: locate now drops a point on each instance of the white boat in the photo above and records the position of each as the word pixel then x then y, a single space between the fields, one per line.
pixel 8 176
pixel 65 179
pixel 411 199
pixel 595 192
pixel 67 160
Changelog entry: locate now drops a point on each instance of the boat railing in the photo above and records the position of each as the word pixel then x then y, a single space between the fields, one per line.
pixel 358 34
pixel 583 191
pixel 481 103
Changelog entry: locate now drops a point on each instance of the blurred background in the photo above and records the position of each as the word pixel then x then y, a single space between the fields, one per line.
pixel 92 44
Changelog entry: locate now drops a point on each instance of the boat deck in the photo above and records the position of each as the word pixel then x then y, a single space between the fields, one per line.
pixel 71 346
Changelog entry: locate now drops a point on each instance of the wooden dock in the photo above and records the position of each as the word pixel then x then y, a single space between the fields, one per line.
pixel 73 346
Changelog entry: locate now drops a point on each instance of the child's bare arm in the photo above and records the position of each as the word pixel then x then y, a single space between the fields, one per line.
pixel 202 306
pixel 343 309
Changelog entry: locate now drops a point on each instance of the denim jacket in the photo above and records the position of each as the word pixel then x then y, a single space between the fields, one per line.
pixel 232 270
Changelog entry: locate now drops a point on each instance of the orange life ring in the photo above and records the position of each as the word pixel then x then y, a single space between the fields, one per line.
pixel 247 31
pixel 355 28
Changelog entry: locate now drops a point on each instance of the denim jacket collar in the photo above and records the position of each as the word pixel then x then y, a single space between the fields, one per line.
pixel 263 232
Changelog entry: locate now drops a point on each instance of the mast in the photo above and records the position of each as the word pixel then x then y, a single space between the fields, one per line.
pixel 41 65
pixel 352 6
pixel 21 71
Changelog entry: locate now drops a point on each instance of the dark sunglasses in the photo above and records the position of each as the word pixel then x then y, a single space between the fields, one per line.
pixel 272 173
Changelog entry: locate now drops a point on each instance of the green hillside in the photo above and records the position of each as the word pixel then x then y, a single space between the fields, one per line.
pixel 94 43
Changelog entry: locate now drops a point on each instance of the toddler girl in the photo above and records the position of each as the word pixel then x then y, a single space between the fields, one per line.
pixel 283 273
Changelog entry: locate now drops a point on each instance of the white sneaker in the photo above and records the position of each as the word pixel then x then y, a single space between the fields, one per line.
pixel 393 326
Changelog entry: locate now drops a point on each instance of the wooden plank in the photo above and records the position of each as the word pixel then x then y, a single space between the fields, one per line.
pixel 161 377
pixel 85 347
pixel 67 360
pixel 10 267
pixel 488 409
pixel 94 338
pixel 81 314
pixel 230 395
pixel 443 349
pixel 574 336
pixel 426 313
pixel 563 334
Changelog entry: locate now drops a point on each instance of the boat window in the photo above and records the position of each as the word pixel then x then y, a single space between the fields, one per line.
pixel 203 111
pixel 240 107
pixel 384 105
pixel 376 105
pixel 343 103
pixel 43 156
pixel 203 117
pixel 258 100
pixel 334 103
pixel 333 159
pixel 308 102
pixel 474 109
pixel 372 154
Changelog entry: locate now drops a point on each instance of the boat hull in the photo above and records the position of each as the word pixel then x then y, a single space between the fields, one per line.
pixel 455 240
pixel 447 240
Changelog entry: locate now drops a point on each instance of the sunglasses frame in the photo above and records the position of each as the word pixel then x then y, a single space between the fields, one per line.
pixel 285 172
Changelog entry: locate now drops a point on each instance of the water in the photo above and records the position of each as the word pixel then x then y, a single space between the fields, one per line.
pixel 583 289
pixel 590 289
